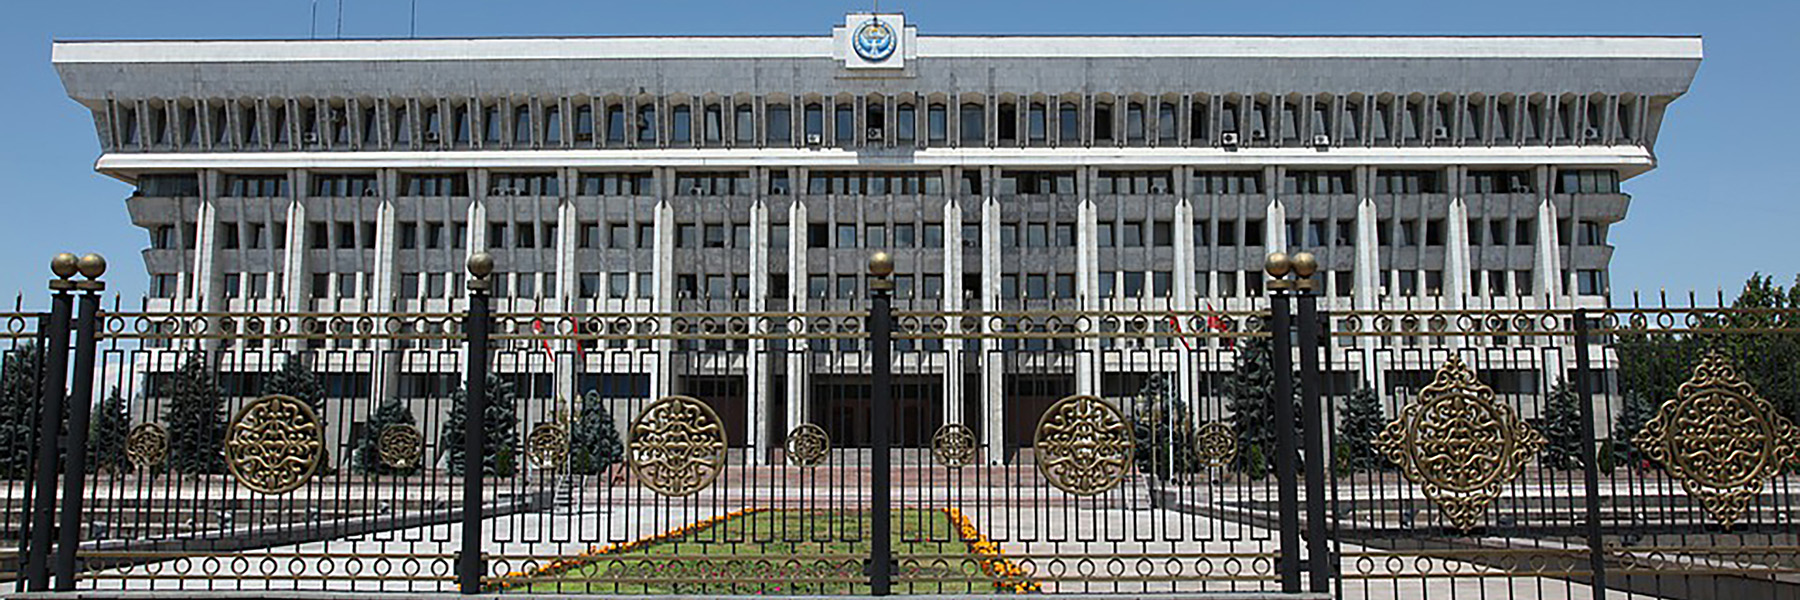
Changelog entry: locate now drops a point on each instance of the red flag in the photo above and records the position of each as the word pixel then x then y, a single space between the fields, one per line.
pixel 1216 323
pixel 580 345
pixel 1175 324
pixel 538 326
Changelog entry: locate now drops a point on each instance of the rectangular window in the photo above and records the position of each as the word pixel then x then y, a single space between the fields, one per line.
pixel 1590 282
pixel 934 235
pixel 846 236
pixel 1253 232
pixel 1162 233
pixel 409 235
pixel 435 185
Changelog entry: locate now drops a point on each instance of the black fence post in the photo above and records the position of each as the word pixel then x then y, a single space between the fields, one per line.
pixel 1281 332
pixel 81 398
pixel 1584 392
pixel 881 330
pixel 469 563
pixel 1319 563
pixel 56 366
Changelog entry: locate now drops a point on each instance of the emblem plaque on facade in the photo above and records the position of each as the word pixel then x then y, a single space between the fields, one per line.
pixel 1720 439
pixel 808 445
pixel 953 445
pixel 147 445
pixel 677 446
pixel 1084 446
pixel 1216 443
pixel 400 446
pixel 1458 444
pixel 273 444
pixel 875 40
pixel 547 446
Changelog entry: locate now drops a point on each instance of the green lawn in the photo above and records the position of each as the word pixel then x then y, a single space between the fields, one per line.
pixel 778 552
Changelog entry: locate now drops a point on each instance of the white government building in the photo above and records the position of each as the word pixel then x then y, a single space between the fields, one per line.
pixel 716 174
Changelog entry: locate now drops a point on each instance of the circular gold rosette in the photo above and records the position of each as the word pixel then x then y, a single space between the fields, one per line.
pixel 273 444
pixel 400 446
pixel 1217 444
pixel 1720 439
pixel 547 446
pixel 147 445
pixel 1459 445
pixel 953 445
pixel 808 445
pixel 677 446
pixel 1084 446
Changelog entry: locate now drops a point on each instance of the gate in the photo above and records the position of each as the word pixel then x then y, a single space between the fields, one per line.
pixel 903 447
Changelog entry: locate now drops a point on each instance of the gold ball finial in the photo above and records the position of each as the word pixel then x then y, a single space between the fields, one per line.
pixel 64 265
pixel 881 264
pixel 1278 265
pixel 91 265
pixel 1305 264
pixel 481 264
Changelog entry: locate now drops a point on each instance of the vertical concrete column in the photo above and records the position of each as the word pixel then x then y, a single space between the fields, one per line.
pixel 1458 285
pixel 386 380
pixel 202 293
pixel 662 383
pixel 1087 288
pixel 1547 283
pixel 568 234
pixel 993 365
pixel 756 365
pixel 1366 294
pixel 1183 299
pixel 799 400
pixel 296 296
pixel 955 397
pixel 1275 225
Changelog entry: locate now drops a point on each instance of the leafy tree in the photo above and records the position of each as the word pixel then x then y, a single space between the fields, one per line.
pixel 501 423
pixel 1362 422
pixel 107 431
pixel 20 389
pixel 1164 430
pixel 1561 426
pixel 196 420
pixel 368 449
pixel 594 443
pixel 296 380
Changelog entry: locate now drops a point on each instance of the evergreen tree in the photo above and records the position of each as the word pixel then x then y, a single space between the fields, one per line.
pixel 594 443
pixel 1164 430
pixel 1361 423
pixel 1249 391
pixel 1561 425
pixel 196 420
pixel 501 423
pixel 368 449
pixel 20 390
pixel 1635 411
pixel 106 434
pixel 296 380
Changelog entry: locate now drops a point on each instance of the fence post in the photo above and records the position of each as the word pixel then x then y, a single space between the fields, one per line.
pixel 1286 447
pixel 1319 562
pixel 881 329
pixel 81 397
pixel 469 563
pixel 1584 393
pixel 56 366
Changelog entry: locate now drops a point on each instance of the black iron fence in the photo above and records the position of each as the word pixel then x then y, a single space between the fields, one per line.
pixel 721 449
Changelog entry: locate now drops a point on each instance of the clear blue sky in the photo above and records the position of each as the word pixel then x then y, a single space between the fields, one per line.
pixel 1723 203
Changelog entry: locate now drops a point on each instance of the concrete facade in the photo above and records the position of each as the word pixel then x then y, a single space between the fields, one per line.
pixel 753 174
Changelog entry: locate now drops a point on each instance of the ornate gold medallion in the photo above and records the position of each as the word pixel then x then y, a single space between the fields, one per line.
pixel 1720 438
pixel 400 446
pixel 1459 444
pixel 953 445
pixel 547 446
pixel 272 445
pixel 808 445
pixel 1216 443
pixel 677 446
pixel 147 445
pixel 1084 446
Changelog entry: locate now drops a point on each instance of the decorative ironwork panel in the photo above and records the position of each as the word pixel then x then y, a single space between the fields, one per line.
pixel 400 446
pixel 1084 445
pixel 1459 444
pixel 147 445
pixel 808 445
pixel 273 444
pixel 1215 444
pixel 677 446
pixel 547 446
pixel 953 445
pixel 1720 439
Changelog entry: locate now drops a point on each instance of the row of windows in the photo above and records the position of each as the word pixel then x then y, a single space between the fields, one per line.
pixel 1227 120
pixel 1010 182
